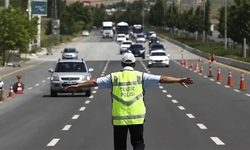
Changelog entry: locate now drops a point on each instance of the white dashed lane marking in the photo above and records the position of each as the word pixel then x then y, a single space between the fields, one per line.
pixel 91 96
pixel 164 91
pixel 75 116
pixel 96 88
pixel 181 107
pixel 29 88
pixel 201 126
pixel 236 90
pixel 217 141
pixel 168 95
pixel 43 81
pixel 66 128
pixel 82 109
pixel 48 78
pixel 161 87
pixel 37 84
pixel 53 142
pixel 87 102
pixel 94 92
pixel 190 115
pixel 174 101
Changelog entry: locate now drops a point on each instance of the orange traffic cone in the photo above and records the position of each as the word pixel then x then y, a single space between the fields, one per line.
pixel 230 80
pixel 219 79
pixel 201 70
pixel 11 93
pixel 210 69
pixel 197 67
pixel 242 82
pixel 191 65
pixel 186 63
pixel 2 93
pixel 182 62
pixel 19 88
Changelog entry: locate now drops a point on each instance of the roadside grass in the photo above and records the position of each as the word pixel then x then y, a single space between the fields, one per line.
pixel 210 47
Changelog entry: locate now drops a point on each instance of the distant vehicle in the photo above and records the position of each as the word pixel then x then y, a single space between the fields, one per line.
pixel 122 28
pixel 158 58
pixel 69 72
pixel 151 33
pixel 120 38
pixel 69 53
pixel 156 46
pixel 152 39
pixel 137 29
pixel 124 46
pixel 107 29
pixel 138 50
pixel 85 33
pixel 140 38
pixel 146 33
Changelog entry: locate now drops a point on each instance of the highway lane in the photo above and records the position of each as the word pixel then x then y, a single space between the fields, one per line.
pixel 36 121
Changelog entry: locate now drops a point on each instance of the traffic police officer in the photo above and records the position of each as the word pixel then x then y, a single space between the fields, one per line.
pixel 128 107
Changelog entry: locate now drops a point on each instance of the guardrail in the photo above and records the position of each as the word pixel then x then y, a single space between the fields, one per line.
pixel 223 60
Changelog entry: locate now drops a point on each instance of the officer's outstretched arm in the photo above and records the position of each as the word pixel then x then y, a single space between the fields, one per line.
pixel 182 81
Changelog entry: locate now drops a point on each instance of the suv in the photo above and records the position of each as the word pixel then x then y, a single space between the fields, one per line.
pixel 69 72
pixel 69 53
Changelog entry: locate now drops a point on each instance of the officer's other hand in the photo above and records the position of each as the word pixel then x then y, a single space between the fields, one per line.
pixel 185 81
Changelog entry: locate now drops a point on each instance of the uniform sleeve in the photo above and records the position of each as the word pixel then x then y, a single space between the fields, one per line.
pixel 104 82
pixel 150 80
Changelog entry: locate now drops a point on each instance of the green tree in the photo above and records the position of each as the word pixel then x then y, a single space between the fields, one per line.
pixel 207 22
pixel 99 16
pixel 156 14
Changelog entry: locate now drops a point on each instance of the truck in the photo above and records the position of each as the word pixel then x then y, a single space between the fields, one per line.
pixel 107 29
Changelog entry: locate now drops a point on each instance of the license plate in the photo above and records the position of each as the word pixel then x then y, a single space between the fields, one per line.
pixel 69 83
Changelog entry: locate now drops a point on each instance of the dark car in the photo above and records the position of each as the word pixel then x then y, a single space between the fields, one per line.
pixel 152 40
pixel 156 46
pixel 138 50
pixel 146 33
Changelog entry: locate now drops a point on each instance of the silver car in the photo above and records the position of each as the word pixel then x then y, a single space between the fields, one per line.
pixel 69 72
pixel 69 53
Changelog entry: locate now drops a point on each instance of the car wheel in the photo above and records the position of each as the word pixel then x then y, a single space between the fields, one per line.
pixel 53 93
pixel 120 52
pixel 149 66
pixel 88 92
pixel 143 57
pixel 167 65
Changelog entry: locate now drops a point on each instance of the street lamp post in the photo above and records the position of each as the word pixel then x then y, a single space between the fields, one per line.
pixel 6 4
pixel 225 25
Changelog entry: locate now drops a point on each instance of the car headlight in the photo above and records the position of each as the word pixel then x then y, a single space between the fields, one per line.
pixel 157 41
pixel 85 78
pixel 55 77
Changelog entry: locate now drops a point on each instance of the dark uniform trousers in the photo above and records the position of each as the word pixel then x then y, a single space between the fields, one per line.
pixel 136 136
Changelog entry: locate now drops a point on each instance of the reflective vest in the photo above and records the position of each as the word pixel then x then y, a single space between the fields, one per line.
pixel 128 106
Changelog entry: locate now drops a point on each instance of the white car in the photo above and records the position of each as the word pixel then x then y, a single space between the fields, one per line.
pixel 85 33
pixel 158 58
pixel 124 46
pixel 140 38
pixel 120 38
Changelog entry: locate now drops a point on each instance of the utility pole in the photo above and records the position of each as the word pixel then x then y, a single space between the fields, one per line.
pixel 225 24
pixel 6 4
pixel 204 16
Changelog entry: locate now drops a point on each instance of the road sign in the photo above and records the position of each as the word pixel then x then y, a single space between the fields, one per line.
pixel 39 7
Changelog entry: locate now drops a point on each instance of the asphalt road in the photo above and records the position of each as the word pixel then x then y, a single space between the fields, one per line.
pixel 207 115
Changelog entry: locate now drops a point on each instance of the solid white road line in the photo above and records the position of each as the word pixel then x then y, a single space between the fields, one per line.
pixel 168 95
pixel 37 84
pixel 82 109
pixel 91 96
pixel 190 115
pixel 174 101
pixel 87 102
pixel 217 141
pixel 94 92
pixel 201 126
pixel 181 107
pixel 164 91
pixel 161 87
pixel 53 142
pixel 66 128
pixel 75 116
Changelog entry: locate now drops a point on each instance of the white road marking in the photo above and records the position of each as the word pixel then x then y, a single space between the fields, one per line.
pixel 174 101
pixel 164 91
pixel 211 79
pixel 205 76
pixel 87 102
pixel 217 141
pixel 236 90
pixel 201 126
pixel 181 107
pixel 66 128
pixel 149 72
pixel 200 73
pixel 29 88
pixel 82 109
pixel 218 82
pixel 248 95
pixel 168 95
pixel 102 74
pixel 75 116
pixel 94 92
pixel 96 87
pixel 37 84
pixel 91 96
pixel 43 81
pixel 227 86
pixel 48 78
pixel 190 115
pixel 53 142
pixel 161 87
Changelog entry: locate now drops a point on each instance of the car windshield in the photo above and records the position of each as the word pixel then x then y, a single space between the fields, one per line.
pixel 153 39
pixel 157 47
pixel 126 43
pixel 136 46
pixel 158 54
pixel 70 67
pixel 121 36
pixel 140 36
pixel 69 50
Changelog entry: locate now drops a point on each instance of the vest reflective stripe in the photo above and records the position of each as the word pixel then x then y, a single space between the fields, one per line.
pixel 129 102
pixel 129 117
pixel 128 107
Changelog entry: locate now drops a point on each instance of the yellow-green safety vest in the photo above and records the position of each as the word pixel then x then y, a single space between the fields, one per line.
pixel 128 107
